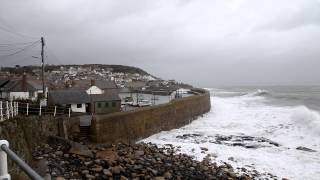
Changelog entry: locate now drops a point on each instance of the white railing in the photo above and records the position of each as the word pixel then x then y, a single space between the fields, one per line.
pixel 6 151
pixel 10 109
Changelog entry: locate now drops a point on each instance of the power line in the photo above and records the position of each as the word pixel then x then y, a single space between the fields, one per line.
pixel 14 44
pixel 21 50
pixel 6 28
pixel 53 55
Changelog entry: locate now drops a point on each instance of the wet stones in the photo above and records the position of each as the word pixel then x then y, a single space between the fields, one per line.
pixel 138 161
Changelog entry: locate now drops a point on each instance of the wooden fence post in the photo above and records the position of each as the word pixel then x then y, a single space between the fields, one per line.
pixel 17 108
pixel 27 109
pixel 7 109
pixel 69 112
pixel 55 111
pixel 40 110
pixel 1 114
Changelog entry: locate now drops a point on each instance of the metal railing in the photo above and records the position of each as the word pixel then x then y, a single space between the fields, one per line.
pixel 6 151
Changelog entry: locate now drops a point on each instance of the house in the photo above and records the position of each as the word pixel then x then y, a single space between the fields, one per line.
pixel 82 102
pixel 78 100
pixel 26 89
pixel 95 86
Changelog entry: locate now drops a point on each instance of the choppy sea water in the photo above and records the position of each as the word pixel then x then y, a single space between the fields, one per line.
pixel 271 129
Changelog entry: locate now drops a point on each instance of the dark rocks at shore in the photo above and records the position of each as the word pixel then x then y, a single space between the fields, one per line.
pixel 249 142
pixel 123 161
pixel 301 148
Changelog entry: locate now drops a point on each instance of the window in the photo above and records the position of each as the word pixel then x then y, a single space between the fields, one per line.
pixel 99 105
pixel 79 105
pixel 106 104
pixel 113 104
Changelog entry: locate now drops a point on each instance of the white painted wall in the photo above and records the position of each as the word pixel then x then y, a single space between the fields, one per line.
pixel 18 95
pixel 94 90
pixel 75 109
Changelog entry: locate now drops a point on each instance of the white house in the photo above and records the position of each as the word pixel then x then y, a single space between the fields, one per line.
pixel 22 89
pixel 77 100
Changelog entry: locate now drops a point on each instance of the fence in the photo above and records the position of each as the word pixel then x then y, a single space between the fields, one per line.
pixel 10 109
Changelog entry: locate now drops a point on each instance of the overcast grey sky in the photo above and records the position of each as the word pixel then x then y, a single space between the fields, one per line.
pixel 203 42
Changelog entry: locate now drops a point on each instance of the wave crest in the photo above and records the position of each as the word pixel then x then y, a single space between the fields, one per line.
pixel 259 92
pixel 307 119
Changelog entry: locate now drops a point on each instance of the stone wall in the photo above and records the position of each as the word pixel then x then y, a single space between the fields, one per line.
pixel 26 132
pixel 141 123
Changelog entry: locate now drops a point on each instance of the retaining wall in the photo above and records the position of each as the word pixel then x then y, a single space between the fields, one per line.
pixel 24 133
pixel 141 123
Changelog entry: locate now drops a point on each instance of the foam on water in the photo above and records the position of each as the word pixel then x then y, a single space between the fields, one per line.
pixel 275 134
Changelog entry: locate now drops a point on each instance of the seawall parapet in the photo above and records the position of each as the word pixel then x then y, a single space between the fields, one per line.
pixel 138 124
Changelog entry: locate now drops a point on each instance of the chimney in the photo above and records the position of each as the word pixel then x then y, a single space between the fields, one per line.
pixel 24 82
pixel 93 82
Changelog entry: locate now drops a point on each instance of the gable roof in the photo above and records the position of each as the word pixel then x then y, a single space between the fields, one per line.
pixel 68 97
pixel 16 86
pixel 3 82
pixel 79 97
pixel 86 84
pixel 107 96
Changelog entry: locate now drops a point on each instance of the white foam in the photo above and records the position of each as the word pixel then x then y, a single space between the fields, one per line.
pixel 289 126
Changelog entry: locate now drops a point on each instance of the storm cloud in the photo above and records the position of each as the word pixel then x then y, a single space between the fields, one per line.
pixel 206 43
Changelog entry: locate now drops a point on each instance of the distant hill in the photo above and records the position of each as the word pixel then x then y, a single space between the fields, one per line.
pixel 113 68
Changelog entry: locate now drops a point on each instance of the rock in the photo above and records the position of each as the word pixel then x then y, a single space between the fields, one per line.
pixel 167 175
pixel 88 176
pixel 107 172
pixel 138 153
pixel 159 178
pixel 97 169
pixel 108 155
pixel 38 157
pixel 60 178
pixel 305 149
pixel 58 153
pixel 79 149
pixel 154 172
pixel 204 149
pixel 123 178
pixel 231 158
pixel 66 155
pixel 116 170
pixel 85 172
pixel 47 177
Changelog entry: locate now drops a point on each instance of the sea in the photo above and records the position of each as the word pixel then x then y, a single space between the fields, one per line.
pixel 272 130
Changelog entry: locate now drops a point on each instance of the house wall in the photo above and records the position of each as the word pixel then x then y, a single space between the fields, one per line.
pixel 18 95
pixel 75 109
pixel 105 109
pixel 94 90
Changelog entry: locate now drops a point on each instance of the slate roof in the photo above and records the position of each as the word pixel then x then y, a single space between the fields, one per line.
pixel 3 82
pixel 16 86
pixel 68 97
pixel 79 97
pixel 107 96
pixel 86 84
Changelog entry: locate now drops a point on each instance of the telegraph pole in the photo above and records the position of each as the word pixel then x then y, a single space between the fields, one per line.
pixel 42 62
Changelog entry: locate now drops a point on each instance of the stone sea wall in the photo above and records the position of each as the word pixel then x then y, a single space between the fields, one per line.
pixel 141 123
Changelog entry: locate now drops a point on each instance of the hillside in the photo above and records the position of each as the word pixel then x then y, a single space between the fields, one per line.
pixel 48 68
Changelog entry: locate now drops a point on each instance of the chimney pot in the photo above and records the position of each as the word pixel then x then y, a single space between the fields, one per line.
pixel 93 82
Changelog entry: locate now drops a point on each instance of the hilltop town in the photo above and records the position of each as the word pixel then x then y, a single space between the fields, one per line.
pixel 62 76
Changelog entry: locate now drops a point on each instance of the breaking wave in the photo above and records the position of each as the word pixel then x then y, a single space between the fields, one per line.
pixel 259 92
pixel 307 119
